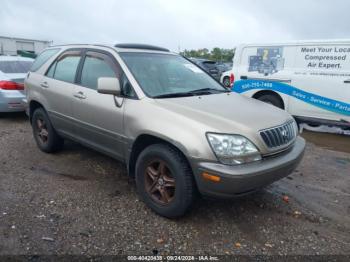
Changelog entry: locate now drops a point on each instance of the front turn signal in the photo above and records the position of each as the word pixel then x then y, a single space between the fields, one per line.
pixel 210 177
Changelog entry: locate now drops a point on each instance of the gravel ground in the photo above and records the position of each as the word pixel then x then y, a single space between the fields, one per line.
pixel 81 202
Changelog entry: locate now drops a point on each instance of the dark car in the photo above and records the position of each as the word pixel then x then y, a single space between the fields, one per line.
pixel 209 66
pixel 223 67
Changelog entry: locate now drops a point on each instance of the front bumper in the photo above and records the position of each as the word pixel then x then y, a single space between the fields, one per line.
pixel 11 101
pixel 243 179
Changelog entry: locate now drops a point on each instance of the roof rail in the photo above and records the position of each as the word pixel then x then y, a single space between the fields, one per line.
pixel 142 46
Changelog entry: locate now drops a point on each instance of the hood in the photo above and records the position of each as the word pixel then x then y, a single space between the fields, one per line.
pixel 227 112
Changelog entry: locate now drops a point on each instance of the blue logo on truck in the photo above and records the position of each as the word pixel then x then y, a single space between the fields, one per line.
pixel 339 107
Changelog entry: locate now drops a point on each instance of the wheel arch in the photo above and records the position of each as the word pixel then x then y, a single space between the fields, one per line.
pixel 145 140
pixel 33 105
pixel 224 77
pixel 269 92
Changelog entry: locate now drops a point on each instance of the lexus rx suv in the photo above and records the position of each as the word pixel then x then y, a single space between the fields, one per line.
pixel 179 132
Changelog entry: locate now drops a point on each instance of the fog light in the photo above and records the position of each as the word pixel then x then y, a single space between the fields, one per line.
pixel 210 177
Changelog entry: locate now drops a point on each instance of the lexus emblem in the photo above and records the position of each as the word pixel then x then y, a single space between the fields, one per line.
pixel 284 133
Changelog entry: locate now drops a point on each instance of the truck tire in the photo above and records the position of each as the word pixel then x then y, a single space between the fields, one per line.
pixel 271 99
pixel 44 133
pixel 164 180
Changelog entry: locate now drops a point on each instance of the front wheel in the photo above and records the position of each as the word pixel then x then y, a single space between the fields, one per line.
pixel 272 100
pixel 164 180
pixel 44 133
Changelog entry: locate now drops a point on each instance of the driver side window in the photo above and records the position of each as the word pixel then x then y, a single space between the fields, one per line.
pixel 98 65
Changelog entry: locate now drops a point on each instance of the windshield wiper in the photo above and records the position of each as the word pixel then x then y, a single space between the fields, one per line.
pixel 207 91
pixel 180 94
pixel 202 91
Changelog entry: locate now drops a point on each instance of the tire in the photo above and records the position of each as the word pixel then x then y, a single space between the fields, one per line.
pixel 271 99
pixel 174 166
pixel 44 133
pixel 226 82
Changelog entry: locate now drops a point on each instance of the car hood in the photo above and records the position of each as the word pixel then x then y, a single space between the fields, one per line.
pixel 227 112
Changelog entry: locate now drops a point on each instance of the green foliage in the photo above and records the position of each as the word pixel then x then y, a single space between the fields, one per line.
pixel 216 54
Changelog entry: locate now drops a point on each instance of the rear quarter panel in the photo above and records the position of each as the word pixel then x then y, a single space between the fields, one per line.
pixel 33 89
pixel 33 80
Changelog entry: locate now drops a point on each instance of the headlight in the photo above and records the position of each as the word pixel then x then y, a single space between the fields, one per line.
pixel 233 149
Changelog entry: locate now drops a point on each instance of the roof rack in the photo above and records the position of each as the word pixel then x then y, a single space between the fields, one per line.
pixel 142 46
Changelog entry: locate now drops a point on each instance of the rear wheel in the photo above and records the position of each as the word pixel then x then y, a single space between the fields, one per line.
pixel 164 180
pixel 226 81
pixel 271 99
pixel 44 133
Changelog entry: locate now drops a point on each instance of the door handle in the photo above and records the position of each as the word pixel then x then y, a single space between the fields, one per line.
pixel 80 95
pixel 347 81
pixel 244 77
pixel 44 85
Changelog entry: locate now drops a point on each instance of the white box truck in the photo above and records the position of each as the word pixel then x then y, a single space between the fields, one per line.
pixel 309 79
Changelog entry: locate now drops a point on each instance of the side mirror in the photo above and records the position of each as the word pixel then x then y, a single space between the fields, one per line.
pixel 108 85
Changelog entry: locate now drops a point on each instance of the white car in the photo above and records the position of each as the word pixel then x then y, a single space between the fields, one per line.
pixel 309 79
pixel 227 78
pixel 13 70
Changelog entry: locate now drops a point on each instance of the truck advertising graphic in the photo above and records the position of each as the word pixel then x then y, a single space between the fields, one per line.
pixel 267 61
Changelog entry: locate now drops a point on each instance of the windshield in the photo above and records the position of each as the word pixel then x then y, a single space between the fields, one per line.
pixel 166 74
pixel 12 67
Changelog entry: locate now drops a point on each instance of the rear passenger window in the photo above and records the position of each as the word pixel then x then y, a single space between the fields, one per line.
pixel 97 65
pixel 65 67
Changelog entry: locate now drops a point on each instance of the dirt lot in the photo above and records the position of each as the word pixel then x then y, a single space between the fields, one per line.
pixel 81 202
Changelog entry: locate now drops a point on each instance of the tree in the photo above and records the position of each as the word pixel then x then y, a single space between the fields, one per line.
pixel 216 54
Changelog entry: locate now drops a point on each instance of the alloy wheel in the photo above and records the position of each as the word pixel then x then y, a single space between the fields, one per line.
pixel 43 133
pixel 159 182
pixel 227 82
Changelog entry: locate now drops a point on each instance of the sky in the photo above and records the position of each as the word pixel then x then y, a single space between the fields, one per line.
pixel 175 24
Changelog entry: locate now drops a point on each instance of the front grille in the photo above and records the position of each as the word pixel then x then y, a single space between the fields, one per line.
pixel 279 136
